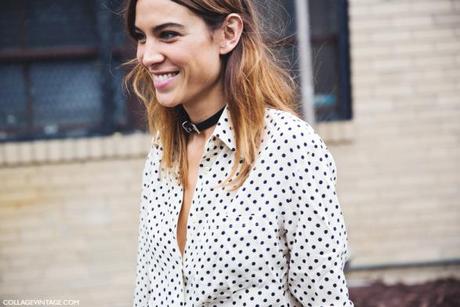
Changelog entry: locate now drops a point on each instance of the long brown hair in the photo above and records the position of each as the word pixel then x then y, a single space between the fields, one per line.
pixel 253 80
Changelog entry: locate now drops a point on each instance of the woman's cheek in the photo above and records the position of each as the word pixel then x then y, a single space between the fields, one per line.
pixel 139 54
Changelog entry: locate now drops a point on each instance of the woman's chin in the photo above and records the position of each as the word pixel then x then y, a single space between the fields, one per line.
pixel 167 103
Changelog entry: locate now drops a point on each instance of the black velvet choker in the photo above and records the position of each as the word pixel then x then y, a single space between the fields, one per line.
pixel 191 127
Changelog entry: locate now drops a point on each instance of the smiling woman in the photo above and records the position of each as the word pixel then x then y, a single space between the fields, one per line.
pixel 238 204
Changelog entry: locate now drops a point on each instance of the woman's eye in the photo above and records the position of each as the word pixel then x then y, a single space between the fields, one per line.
pixel 168 35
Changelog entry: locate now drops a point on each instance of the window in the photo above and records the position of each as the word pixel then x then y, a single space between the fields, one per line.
pixel 330 56
pixel 60 71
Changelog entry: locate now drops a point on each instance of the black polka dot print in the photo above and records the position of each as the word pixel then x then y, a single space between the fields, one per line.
pixel 279 240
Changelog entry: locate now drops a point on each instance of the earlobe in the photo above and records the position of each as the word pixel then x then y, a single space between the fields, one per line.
pixel 231 33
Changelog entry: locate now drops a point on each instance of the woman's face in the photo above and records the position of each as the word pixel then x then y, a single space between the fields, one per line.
pixel 176 47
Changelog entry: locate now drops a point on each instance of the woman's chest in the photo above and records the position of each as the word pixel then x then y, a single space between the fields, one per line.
pixel 217 214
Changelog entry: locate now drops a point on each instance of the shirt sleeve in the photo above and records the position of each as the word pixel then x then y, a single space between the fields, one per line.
pixel 315 230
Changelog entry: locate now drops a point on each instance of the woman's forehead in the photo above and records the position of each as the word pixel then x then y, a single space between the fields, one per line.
pixel 155 12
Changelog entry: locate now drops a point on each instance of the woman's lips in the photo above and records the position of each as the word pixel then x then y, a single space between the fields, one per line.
pixel 161 81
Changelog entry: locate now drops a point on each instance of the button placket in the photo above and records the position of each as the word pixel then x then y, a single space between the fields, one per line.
pixel 194 214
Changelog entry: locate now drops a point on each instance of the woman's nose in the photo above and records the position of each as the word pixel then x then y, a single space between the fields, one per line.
pixel 150 55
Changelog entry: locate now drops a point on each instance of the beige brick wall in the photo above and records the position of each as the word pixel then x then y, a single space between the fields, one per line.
pixel 68 218
pixel 68 208
pixel 68 230
pixel 399 172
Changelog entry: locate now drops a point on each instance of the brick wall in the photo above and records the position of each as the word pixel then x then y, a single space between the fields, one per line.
pixel 68 219
pixel 68 208
pixel 399 171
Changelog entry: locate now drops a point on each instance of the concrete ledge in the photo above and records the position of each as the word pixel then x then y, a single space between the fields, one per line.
pixel 336 132
pixel 81 149
pixel 120 146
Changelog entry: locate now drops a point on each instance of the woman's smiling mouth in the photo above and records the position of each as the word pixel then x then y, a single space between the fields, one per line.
pixel 162 80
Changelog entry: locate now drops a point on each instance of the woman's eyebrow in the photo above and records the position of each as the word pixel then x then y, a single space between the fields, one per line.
pixel 161 27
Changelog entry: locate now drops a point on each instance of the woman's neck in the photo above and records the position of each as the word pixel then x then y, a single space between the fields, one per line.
pixel 204 107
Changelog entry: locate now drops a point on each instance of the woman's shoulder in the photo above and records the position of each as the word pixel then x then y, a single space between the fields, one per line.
pixel 286 125
pixel 294 135
pixel 297 141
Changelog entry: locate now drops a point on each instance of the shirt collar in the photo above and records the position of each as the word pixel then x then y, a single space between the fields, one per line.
pixel 224 130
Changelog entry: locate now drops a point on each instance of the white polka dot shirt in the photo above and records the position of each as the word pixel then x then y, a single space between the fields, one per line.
pixel 279 240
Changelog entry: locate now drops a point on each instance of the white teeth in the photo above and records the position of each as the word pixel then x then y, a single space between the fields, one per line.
pixel 164 77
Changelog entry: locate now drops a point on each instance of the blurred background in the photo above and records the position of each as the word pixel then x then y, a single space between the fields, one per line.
pixel 378 79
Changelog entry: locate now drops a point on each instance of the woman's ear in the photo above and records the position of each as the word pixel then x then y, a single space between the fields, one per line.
pixel 230 33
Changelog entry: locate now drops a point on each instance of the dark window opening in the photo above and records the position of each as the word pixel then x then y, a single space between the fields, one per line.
pixel 60 72
pixel 329 39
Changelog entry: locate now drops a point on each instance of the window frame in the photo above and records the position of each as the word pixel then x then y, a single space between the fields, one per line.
pixel 104 52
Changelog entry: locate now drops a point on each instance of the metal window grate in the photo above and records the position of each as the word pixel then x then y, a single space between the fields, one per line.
pixel 60 23
pixel 60 69
pixel 65 94
pixel 13 98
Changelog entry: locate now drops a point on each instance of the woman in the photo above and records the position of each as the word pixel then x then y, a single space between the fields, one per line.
pixel 238 204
